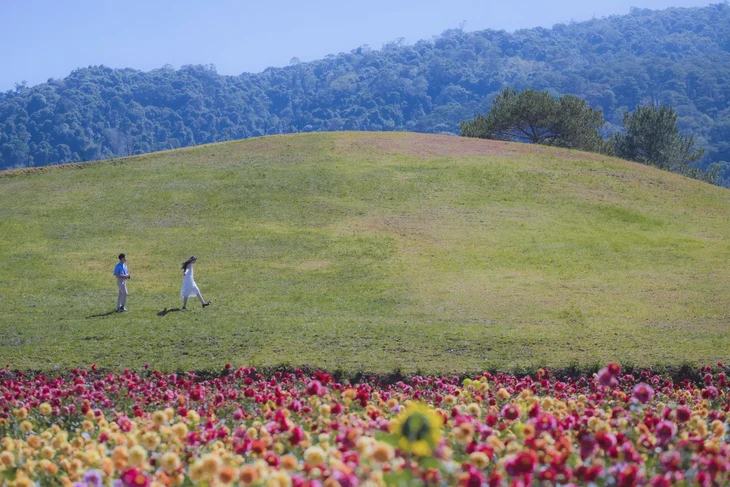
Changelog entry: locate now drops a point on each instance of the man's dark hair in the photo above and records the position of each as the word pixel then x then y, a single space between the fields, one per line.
pixel 121 256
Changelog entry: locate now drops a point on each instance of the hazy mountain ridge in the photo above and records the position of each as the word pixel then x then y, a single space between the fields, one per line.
pixel 678 57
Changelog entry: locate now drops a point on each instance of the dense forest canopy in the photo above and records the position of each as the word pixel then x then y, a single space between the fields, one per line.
pixel 677 57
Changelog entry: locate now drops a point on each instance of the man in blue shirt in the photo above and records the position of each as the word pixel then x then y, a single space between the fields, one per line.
pixel 120 272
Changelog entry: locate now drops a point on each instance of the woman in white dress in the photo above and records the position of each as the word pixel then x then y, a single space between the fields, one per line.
pixel 189 288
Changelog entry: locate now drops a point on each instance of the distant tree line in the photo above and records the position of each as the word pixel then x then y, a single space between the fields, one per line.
pixel 676 57
pixel 650 134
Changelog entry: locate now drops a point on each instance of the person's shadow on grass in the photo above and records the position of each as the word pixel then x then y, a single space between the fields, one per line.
pixel 165 311
pixel 102 315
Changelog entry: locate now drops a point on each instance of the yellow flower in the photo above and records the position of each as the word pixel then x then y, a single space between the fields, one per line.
pixel 92 457
pixel 46 409
pixel 196 471
pixel 193 416
pixel 159 418
pixel 464 433
pixel 150 440
pixel 137 456
pixel 479 459
pixel 474 410
pixel 180 430
pixel 314 455
pixel 170 462
pixel 325 410
pixel 211 464
pixel 23 481
pixel 47 452
pixel 8 444
pixel 503 394
pixel 279 479
pixel 418 429
pixel 26 426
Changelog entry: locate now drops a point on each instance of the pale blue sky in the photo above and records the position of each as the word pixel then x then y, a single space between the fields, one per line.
pixel 44 39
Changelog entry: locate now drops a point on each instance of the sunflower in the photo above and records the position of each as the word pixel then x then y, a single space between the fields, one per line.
pixel 417 429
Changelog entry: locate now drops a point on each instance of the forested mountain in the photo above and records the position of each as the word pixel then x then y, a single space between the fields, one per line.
pixel 677 57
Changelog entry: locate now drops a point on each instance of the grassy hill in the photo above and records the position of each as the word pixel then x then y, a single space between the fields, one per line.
pixel 365 251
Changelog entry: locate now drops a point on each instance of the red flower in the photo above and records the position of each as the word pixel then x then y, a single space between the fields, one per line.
pixel 521 464
pixel 683 414
pixel 628 476
pixel 297 435
pixel 606 440
pixel 272 459
pixel 665 431
pixel 511 412
pixel 614 369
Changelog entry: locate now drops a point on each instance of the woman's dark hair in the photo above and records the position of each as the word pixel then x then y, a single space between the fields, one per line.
pixel 187 262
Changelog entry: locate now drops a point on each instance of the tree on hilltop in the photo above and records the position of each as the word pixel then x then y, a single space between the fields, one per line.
pixel 536 117
pixel 652 137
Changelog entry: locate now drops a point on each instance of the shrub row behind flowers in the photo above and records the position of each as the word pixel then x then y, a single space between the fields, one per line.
pixel 292 429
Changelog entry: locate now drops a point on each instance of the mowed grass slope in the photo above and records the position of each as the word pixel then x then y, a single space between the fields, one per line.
pixel 365 252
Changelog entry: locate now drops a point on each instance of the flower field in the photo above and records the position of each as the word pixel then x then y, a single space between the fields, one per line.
pixel 89 428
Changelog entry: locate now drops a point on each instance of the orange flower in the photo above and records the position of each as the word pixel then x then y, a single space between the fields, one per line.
pixel 227 474
pixel 258 448
pixel 288 462
pixel 248 475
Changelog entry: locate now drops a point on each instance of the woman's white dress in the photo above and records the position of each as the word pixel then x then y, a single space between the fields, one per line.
pixel 189 288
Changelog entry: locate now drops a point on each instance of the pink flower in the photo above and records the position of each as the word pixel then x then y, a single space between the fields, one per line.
pixel 546 423
pixel 606 378
pixel 660 481
pixel 643 392
pixel 135 478
pixel 665 431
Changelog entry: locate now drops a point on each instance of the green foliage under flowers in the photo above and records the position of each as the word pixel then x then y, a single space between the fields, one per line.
pixel 364 252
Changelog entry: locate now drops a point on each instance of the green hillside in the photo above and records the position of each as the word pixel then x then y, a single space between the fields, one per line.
pixel 364 251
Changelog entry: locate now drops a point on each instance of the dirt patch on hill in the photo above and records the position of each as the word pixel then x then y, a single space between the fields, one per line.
pixel 433 146
pixel 421 145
